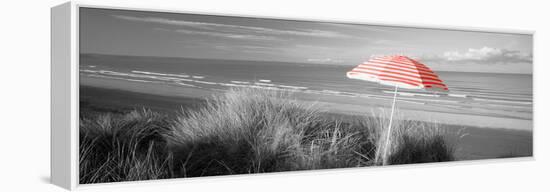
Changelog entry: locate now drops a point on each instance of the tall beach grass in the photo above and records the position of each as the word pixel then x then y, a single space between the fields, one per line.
pixel 245 131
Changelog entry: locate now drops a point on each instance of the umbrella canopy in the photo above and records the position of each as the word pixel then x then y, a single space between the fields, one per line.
pixel 400 71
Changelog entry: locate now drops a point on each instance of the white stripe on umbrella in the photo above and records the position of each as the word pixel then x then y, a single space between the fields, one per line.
pixel 398 71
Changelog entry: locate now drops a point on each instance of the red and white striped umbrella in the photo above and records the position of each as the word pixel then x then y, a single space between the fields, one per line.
pixel 400 71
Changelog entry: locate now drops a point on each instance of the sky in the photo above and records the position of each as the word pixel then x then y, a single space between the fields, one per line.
pixel 123 32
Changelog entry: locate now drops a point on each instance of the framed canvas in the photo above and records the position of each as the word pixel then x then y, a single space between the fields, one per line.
pixel 141 94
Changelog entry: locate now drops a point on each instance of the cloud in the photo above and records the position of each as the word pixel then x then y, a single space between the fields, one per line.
pixel 363 27
pixel 234 29
pixel 487 55
pixel 227 35
pixel 324 60
pixel 231 47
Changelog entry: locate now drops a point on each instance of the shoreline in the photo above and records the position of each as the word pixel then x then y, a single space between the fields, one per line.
pixel 350 106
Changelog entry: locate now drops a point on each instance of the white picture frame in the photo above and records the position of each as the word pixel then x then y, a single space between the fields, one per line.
pixel 65 82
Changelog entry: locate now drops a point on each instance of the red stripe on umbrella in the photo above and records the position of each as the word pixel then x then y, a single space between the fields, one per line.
pixel 397 70
pixel 400 69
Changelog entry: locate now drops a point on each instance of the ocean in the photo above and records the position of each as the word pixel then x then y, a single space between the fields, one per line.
pixel 487 94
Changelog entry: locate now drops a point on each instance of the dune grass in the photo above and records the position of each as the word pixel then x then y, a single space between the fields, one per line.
pixel 126 147
pixel 245 131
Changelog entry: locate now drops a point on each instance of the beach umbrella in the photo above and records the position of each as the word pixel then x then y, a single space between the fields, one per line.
pixel 397 71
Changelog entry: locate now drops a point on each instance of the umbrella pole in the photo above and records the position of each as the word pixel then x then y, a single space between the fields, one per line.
pixel 388 134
